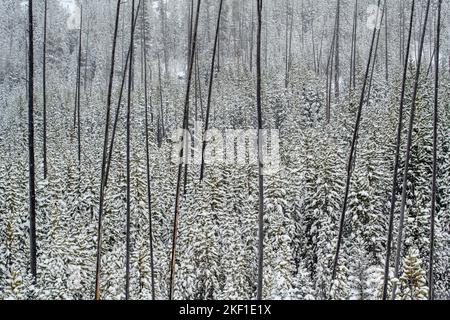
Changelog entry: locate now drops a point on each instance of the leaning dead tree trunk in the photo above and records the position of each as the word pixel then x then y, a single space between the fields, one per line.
pixel 353 150
pixel 408 151
pixel 128 160
pixel 260 154
pixel 31 163
pixel 105 150
pixel 397 158
pixel 180 159
pixel 435 156
pixel 208 103
pixel 119 103
pixel 44 92
pixel 375 56
pixel 147 154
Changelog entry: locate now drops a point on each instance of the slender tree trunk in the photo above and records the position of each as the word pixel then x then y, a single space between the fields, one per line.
pixel 180 167
pixel 31 163
pixel 44 92
pixel 353 49
pixel 386 42
pixel 260 160
pixel 128 159
pixel 435 155
pixel 119 103
pixel 104 156
pixel 208 102
pixel 251 39
pixel 408 151
pixel 337 71
pixel 79 87
pixel 147 152
pixel 397 157
pixel 353 151
pixel 375 56
pixel 330 75
pixel 163 130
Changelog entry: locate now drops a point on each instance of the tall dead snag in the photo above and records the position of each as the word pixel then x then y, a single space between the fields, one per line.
pixel 397 158
pixel 330 76
pixel 161 123
pixel 408 151
pixel 375 55
pixel 128 159
pixel 260 154
pixel 337 72
pixel 386 43
pixel 353 148
pixel 79 87
pixel 352 81
pixel 105 150
pixel 435 155
pixel 211 79
pixel 180 159
pixel 31 163
pixel 147 153
pixel 44 92
pixel 119 102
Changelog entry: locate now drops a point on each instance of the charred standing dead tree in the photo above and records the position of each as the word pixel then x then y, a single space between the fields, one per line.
pixel 337 72
pixel 397 157
pixel 147 153
pixel 44 93
pixel 435 155
pixel 408 151
pixel 180 166
pixel 161 122
pixel 78 90
pixel 260 154
pixel 31 163
pixel 353 49
pixel 211 80
pixel 119 103
pixel 105 150
pixel 128 159
pixel 375 55
pixel 329 71
pixel 353 149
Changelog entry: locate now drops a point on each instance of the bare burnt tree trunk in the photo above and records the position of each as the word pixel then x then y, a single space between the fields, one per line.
pixel 386 42
pixel 208 102
pixel 104 156
pixel 337 70
pixel 147 153
pixel 260 160
pixel 352 152
pixel 161 125
pixel 435 155
pixel 397 158
pixel 119 103
pixel 44 92
pixel 31 163
pixel 375 55
pixel 180 166
pixel 128 159
pixel 408 152
pixel 79 87
pixel 352 81
pixel 329 79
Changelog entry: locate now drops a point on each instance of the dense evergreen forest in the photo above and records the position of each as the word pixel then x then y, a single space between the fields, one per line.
pixel 104 103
